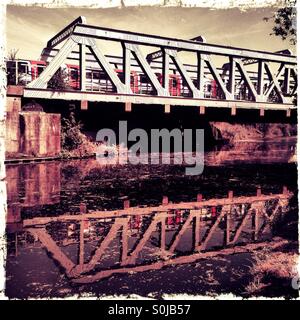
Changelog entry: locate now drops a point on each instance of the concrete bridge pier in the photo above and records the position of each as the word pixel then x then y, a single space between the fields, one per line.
pixel 30 132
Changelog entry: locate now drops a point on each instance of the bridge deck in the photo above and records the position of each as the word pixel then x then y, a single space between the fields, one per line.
pixel 151 100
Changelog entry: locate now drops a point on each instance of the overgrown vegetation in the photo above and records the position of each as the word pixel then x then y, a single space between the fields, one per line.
pixel 255 131
pixel 285 22
pixel 272 271
pixel 73 142
pixel 58 81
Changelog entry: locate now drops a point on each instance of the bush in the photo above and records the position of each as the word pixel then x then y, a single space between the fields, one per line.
pixel 74 143
pixel 59 80
pixel 71 136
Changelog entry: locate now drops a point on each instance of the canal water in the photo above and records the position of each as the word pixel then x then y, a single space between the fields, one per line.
pixel 115 252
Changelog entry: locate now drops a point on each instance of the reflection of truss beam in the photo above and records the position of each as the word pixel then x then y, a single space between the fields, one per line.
pixel 83 268
pixel 52 247
pixel 139 246
pixel 149 210
pixel 129 257
pixel 225 210
pixel 180 260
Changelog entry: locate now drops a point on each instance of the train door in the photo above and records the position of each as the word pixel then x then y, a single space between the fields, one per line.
pixel 214 89
pixel 134 82
pixel 174 85
pixel 37 67
pixel 73 76
pixel 11 70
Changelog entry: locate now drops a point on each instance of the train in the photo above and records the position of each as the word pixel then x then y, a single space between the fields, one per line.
pixel 24 71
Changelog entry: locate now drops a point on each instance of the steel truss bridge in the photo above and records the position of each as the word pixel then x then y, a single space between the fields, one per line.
pixel 174 233
pixel 269 79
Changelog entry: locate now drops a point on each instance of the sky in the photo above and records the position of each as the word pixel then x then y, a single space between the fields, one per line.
pixel 29 28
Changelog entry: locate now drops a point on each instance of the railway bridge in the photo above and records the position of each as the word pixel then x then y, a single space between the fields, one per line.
pixel 155 70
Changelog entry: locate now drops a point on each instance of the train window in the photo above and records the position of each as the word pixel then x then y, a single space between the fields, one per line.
pixel 104 76
pixel 144 79
pixel 174 83
pixel 96 75
pixel 22 67
pixel 119 74
pixel 40 69
pixel 74 74
pixel 132 80
pixel 89 75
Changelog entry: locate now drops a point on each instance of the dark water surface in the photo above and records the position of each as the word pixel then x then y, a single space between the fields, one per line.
pixel 132 252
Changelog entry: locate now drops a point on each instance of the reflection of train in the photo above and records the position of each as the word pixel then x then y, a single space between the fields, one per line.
pixel 24 71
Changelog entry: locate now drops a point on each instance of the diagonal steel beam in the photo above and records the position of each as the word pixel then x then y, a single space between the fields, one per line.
pixel 180 67
pixel 106 66
pixel 215 73
pixel 147 69
pixel 54 65
pixel 248 81
pixel 274 82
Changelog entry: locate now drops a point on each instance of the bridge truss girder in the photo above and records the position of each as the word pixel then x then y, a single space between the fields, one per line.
pixel 80 35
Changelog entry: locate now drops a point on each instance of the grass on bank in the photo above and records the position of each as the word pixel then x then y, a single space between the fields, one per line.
pixel 272 267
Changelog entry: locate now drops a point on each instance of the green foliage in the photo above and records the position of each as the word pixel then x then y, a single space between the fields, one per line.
pixel 71 136
pixel 285 22
pixel 59 80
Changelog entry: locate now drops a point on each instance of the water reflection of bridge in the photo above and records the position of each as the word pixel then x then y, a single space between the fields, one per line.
pixel 138 239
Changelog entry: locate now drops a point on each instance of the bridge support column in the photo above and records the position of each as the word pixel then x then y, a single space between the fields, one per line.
pixel 128 106
pixel 12 140
pixel 261 112
pixel 202 110
pixel 233 111
pixel 288 113
pixel 83 105
pixel 167 108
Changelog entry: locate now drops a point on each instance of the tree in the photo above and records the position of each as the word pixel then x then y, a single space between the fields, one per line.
pixel 12 54
pixel 285 22
pixel 59 80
